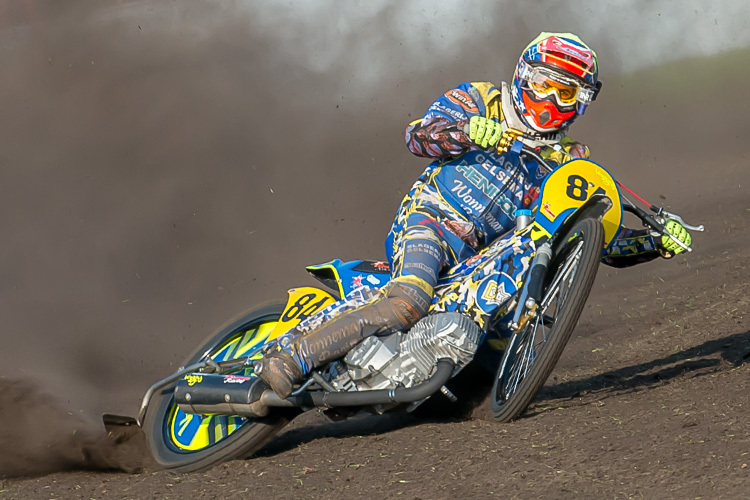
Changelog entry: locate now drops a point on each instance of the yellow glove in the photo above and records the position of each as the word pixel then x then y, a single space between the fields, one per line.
pixel 484 132
pixel 675 229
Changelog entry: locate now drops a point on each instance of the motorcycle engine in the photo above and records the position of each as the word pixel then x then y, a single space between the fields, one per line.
pixel 405 360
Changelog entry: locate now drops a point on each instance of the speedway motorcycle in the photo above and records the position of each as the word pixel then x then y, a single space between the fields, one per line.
pixel 199 416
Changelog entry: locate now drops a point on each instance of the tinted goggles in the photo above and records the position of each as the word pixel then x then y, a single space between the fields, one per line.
pixel 567 91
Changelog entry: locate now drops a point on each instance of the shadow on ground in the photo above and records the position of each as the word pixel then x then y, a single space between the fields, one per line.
pixel 709 357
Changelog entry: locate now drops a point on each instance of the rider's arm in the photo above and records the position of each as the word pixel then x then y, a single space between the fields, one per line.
pixel 571 148
pixel 631 247
pixel 437 137
pixel 440 132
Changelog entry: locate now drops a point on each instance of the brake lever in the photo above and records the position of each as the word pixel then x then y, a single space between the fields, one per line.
pixel 657 225
pixel 669 215
pixel 664 215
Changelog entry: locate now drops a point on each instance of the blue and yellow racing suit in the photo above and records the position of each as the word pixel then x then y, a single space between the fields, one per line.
pixel 468 196
pixel 456 209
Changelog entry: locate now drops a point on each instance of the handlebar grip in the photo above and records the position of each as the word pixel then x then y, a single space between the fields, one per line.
pixel 645 217
pixel 651 222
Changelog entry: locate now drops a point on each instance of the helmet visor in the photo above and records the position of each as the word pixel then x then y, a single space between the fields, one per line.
pixel 543 83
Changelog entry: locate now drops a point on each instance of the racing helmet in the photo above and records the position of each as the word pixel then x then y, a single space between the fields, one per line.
pixel 556 78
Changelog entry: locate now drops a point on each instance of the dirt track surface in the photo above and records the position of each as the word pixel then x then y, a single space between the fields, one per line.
pixel 139 224
pixel 650 401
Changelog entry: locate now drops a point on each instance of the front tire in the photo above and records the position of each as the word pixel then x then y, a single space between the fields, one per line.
pixel 186 442
pixel 532 354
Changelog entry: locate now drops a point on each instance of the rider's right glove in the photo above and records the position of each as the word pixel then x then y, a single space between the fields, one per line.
pixel 674 228
pixel 484 132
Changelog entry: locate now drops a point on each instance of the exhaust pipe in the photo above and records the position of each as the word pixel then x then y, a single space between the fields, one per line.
pixel 232 394
pixel 206 393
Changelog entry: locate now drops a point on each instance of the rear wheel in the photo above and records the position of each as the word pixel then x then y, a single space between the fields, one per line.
pixel 188 442
pixel 532 354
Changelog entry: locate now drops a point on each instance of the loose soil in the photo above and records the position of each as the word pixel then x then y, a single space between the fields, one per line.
pixel 152 199
pixel 649 401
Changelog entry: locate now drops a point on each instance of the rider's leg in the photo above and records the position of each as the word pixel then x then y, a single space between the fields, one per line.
pixel 398 306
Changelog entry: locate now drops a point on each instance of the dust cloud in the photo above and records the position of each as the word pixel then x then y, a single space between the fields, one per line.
pixel 39 435
pixel 165 166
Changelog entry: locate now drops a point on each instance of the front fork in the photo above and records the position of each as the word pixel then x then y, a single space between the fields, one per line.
pixel 532 289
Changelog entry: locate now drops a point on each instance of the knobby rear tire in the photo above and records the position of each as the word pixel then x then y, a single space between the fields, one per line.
pixel 242 442
pixel 506 408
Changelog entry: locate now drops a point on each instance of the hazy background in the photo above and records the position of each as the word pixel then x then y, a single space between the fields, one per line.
pixel 166 165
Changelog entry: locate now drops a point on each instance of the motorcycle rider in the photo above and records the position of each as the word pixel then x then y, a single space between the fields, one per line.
pixel 466 198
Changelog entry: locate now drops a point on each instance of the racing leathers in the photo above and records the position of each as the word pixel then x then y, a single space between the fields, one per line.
pixel 460 204
pixel 468 196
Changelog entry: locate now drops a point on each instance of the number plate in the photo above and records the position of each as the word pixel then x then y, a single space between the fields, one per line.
pixel 569 187
pixel 303 302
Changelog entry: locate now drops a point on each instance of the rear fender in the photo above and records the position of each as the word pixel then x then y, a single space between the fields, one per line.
pixel 301 303
pixel 346 277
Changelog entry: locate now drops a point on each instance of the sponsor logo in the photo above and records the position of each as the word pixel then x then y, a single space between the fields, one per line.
pixel 518 101
pixel 499 168
pixel 546 210
pixel 235 379
pixel 530 196
pixel 462 99
pixel 463 193
pixel 193 379
pixel 473 260
pixel 455 114
pixel 373 280
pixel 381 266
pixel 495 293
pixel 606 179
pixel 357 281
pixel 540 174
pixel 490 189
pixel 422 267
pixel 568 48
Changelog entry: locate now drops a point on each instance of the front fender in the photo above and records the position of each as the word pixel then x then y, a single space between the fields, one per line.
pixel 595 207
pixel 575 189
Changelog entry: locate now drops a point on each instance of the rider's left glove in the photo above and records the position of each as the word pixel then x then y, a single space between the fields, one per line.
pixel 485 132
pixel 674 228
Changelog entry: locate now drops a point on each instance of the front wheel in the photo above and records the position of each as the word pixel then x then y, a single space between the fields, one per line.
pixel 532 354
pixel 188 442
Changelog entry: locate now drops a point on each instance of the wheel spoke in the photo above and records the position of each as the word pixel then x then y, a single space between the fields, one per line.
pixel 533 352
pixel 199 432
pixel 556 295
pixel 516 369
pixel 565 274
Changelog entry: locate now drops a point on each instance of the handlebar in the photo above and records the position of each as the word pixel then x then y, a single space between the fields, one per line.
pixel 656 223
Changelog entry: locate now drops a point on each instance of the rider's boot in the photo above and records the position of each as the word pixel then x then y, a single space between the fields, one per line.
pixel 398 306
pixel 280 371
